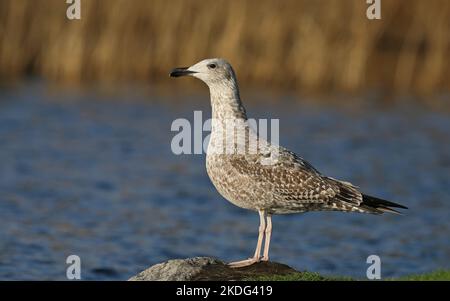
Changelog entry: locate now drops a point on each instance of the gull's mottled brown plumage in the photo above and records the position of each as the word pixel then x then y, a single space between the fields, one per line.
pixel 273 180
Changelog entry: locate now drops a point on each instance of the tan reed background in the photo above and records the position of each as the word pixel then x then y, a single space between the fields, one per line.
pixel 307 45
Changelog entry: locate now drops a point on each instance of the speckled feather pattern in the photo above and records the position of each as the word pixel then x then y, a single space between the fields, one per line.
pixel 291 185
pixel 270 178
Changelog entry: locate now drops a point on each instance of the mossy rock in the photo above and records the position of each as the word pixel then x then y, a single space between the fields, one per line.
pixel 212 269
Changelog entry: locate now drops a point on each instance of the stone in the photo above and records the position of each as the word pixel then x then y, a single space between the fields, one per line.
pixel 208 269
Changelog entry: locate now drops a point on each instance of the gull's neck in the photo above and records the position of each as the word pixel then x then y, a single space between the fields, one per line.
pixel 230 130
pixel 225 101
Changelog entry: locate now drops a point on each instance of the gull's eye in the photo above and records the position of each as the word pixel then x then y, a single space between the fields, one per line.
pixel 212 66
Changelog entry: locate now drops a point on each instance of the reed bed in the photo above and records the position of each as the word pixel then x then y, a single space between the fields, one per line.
pixel 307 45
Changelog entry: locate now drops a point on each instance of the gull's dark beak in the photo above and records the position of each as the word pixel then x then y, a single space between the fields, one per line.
pixel 181 72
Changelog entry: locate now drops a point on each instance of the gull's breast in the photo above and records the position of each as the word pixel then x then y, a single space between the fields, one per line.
pixel 234 186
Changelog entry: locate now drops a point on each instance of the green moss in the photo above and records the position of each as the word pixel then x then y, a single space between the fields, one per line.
pixel 300 276
pixel 435 275
pixel 311 276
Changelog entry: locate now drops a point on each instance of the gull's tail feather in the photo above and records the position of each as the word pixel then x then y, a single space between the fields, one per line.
pixel 380 204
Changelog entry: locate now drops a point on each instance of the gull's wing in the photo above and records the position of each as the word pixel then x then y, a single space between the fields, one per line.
pixel 297 186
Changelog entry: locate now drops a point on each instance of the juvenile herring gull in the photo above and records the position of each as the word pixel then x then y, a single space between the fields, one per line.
pixel 287 184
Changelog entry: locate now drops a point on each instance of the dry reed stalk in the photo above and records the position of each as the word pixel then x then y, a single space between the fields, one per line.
pixel 309 45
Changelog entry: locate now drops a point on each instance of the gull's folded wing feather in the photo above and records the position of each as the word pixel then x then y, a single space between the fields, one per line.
pixel 296 184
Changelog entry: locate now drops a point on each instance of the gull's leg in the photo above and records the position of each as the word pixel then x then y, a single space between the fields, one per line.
pixel 268 236
pixel 262 228
pixel 256 257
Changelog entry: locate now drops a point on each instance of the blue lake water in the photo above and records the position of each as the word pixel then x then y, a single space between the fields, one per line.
pixel 94 176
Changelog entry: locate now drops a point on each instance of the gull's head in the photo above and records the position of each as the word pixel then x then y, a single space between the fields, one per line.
pixel 210 71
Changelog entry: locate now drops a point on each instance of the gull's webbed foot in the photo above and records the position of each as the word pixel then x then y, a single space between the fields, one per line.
pixel 243 263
